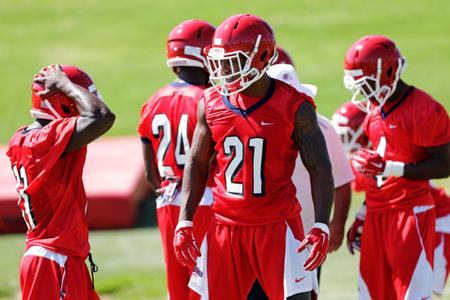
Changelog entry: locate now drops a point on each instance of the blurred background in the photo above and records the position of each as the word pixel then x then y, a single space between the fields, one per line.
pixel 121 44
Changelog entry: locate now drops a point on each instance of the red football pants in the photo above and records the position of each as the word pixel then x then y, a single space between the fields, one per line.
pixel 237 255
pixel 397 254
pixel 51 276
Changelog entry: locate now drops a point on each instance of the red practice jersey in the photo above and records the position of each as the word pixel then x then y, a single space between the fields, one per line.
pixel 49 182
pixel 168 121
pixel 401 131
pixel 256 155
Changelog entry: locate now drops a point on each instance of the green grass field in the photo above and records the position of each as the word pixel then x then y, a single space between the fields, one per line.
pixel 121 44
pixel 131 266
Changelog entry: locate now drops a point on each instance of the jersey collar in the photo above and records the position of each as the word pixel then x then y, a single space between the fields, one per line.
pixel 246 112
pixel 385 114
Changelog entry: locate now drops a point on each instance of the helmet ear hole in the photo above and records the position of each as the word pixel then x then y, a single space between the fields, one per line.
pixel 263 56
pixel 65 108
pixel 389 72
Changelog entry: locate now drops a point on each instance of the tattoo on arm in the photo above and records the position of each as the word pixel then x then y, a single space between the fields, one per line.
pixel 314 154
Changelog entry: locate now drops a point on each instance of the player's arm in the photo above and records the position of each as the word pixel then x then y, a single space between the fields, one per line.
pixel 314 154
pixel 195 177
pixel 369 162
pixel 342 199
pixel 196 170
pixel 437 166
pixel 151 169
pixel 95 117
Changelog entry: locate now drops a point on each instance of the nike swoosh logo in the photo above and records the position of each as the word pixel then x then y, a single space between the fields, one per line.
pixel 297 280
pixel 266 123
pixel 392 126
pixel 377 165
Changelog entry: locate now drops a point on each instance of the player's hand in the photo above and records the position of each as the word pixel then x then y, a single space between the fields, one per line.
pixel 53 79
pixel 368 162
pixel 185 247
pixel 318 239
pixel 355 231
pixel 337 230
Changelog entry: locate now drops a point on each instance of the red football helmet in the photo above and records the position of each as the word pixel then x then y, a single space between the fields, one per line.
pixel 243 49
pixel 283 57
pixel 373 65
pixel 186 42
pixel 348 122
pixel 58 105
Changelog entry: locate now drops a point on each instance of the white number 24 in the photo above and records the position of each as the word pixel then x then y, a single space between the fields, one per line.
pixel 160 123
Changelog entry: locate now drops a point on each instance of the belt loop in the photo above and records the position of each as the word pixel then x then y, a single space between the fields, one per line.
pixel 94 268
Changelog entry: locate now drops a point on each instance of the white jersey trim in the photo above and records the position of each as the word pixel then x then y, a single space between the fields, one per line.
pixel 443 224
pixel 199 278
pixel 421 209
pixel 296 278
pixel 42 252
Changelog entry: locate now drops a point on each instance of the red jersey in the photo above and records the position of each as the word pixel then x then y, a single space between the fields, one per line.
pixel 442 201
pixel 50 187
pixel 256 154
pixel 168 121
pixel 401 131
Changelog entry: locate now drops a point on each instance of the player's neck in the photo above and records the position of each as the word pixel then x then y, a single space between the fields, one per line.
pixel 259 88
pixel 194 76
pixel 400 90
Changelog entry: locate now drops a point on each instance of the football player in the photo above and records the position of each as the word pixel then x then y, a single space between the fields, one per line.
pixel 283 69
pixel 254 127
pixel 410 133
pixel 166 127
pixel 348 121
pixel 47 159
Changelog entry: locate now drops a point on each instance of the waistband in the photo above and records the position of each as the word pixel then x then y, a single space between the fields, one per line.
pixel 60 259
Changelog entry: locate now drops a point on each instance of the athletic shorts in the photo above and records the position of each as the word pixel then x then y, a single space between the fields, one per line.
pixel 48 275
pixel 397 254
pixel 235 256
pixel 177 275
pixel 441 254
